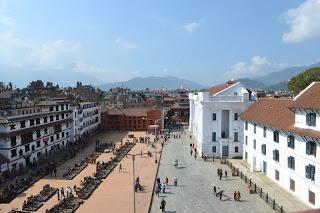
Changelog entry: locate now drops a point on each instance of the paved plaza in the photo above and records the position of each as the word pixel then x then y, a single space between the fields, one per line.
pixel 115 193
pixel 194 192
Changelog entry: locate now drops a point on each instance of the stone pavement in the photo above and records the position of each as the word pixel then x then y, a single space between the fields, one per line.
pixel 116 190
pixel 282 197
pixel 194 192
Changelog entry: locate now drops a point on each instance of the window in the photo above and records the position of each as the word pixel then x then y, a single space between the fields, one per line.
pixel 276 136
pixel 57 117
pixel 311 119
pixel 58 136
pixel 62 116
pixel 37 120
pixel 255 128
pixel 246 125
pixel 38 143
pixel 236 116
pixel 246 140
pixel 62 107
pixel 51 108
pixel 236 149
pixel 310 172
pixel 312 197
pixel 311 148
pixel 45 120
pixel 276 155
pixel 276 175
pixel 214 149
pixel 292 185
pixel 20 152
pixel 27 147
pixel 246 155
pixel 31 122
pixel 51 138
pixel 45 131
pixel 214 116
pixel 291 162
pixel 51 118
pixel 62 135
pixel 38 133
pixel 214 136
pixel 254 144
pixel 264 149
pixel 22 124
pixel 13 141
pixel 57 108
pixel 290 141
pixel 13 153
pixel 264 132
pixel 235 137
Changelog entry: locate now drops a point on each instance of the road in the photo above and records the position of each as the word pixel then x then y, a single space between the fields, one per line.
pixel 194 192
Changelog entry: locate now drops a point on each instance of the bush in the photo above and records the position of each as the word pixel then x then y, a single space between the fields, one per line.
pixel 237 157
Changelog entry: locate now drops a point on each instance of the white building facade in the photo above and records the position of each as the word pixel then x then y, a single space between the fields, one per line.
pixel 215 119
pixel 29 132
pixel 282 140
pixel 86 119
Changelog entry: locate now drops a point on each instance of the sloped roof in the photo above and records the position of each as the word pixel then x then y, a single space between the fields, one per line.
pixel 308 98
pixel 140 111
pixel 115 111
pixel 217 89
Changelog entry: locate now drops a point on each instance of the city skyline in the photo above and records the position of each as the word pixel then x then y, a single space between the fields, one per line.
pixel 102 42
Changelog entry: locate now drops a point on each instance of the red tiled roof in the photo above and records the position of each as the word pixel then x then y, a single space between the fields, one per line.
pixel 275 112
pixel 309 98
pixel 217 89
pixel 115 111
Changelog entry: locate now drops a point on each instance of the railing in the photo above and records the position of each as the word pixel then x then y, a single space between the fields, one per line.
pixel 226 98
pixel 258 190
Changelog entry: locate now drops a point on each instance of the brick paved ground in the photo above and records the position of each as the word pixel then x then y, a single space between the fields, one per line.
pixel 194 192
pixel 114 194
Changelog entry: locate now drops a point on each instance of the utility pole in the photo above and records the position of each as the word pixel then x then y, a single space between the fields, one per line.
pixel 134 187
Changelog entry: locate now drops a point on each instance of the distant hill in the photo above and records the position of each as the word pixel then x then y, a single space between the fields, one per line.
pixel 283 75
pixel 282 86
pixel 153 82
pixel 251 84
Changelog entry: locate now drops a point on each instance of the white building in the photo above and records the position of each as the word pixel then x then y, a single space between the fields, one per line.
pixel 86 119
pixel 282 140
pixel 214 119
pixel 30 131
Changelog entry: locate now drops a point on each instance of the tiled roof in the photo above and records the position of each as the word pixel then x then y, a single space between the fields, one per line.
pixel 140 111
pixel 115 111
pixel 272 112
pixel 220 88
pixel 308 98
pixel 276 113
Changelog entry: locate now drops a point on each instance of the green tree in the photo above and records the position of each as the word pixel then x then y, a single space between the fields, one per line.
pixel 304 79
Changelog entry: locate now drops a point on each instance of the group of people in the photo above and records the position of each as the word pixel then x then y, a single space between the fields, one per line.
pixel 61 195
pixel 236 195
pixel 193 150
pixel 220 173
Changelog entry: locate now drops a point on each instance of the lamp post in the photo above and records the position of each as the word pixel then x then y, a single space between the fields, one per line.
pixel 133 176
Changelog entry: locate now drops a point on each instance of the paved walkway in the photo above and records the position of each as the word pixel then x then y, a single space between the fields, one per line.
pixel 114 194
pixel 194 192
pixel 282 197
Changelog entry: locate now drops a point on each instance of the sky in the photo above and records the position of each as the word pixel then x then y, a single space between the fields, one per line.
pixel 102 41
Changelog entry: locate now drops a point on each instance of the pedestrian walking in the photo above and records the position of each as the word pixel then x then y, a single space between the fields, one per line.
pixel 158 180
pixel 238 196
pixel 190 137
pixel 226 173
pixel 120 167
pixel 220 175
pixel 163 188
pixel 175 180
pixel 163 205
pixel 167 181
pixel 55 171
pixel 58 194
pixel 221 194
pixel 195 155
pixel 191 152
pixel 157 191
pixel 235 194
pixel 62 192
pixel 218 172
pixel 214 190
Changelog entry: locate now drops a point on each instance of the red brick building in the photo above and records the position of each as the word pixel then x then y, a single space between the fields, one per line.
pixel 139 119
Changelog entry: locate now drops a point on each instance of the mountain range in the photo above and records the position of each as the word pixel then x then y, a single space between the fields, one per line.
pixel 273 81
pixel 154 82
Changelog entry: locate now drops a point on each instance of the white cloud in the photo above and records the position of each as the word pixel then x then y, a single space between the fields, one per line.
pixel 192 26
pixel 258 66
pixel 304 22
pixel 126 44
